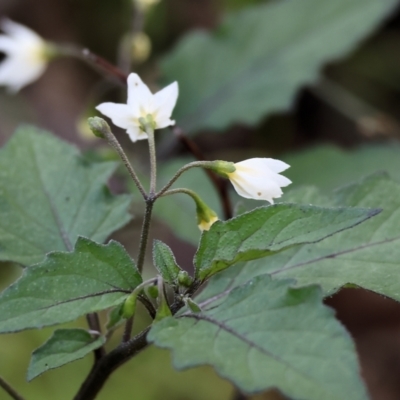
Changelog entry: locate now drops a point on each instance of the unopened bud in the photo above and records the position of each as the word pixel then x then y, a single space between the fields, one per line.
pixel 99 127
pixel 152 291
pixel 184 279
pixel 128 309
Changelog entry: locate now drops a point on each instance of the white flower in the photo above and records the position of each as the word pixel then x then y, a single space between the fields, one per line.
pixel 26 55
pixel 141 103
pixel 258 178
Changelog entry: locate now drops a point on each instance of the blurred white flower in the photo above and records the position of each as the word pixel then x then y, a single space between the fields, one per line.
pixel 259 179
pixel 142 104
pixel 26 52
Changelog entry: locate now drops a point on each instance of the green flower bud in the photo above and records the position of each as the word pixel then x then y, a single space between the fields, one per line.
pixel 98 126
pixel 152 291
pixel 128 309
pixel 184 279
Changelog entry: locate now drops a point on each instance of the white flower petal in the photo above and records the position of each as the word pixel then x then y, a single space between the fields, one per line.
pixel 135 133
pixel 118 113
pixel 276 165
pixel 7 45
pixel 140 99
pixel 164 103
pixel 19 32
pixel 25 51
pixel 164 123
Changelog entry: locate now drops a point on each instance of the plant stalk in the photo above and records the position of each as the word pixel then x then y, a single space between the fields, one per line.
pixel 194 164
pixel 153 160
pixel 10 390
pixel 112 140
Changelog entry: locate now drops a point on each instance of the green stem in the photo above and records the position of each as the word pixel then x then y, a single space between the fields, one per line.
pixel 194 164
pixel 10 390
pixel 112 140
pixel 145 232
pixel 153 160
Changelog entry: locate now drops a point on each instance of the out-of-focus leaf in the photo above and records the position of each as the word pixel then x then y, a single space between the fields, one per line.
pixel 65 346
pixel 266 334
pixel 49 195
pixel 329 167
pixel 65 286
pixel 269 229
pixel 259 57
pixel 367 255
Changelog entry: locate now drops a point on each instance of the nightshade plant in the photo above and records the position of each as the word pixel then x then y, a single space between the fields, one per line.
pixel 253 308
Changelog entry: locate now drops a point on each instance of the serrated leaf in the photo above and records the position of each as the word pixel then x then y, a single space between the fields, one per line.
pixel 49 195
pixel 266 335
pixel 366 256
pixel 65 286
pixel 240 74
pixel 64 346
pixel 268 229
pixel 164 261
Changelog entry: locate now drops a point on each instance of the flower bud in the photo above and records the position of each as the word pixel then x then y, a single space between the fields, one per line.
pixel 152 291
pixel 128 309
pixel 184 279
pixel 98 126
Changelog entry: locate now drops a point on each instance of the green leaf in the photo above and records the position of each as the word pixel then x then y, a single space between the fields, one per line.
pixel 49 195
pixel 366 256
pixel 67 285
pixel 269 229
pixel 259 57
pixel 165 262
pixel 337 167
pixel 267 334
pixel 65 346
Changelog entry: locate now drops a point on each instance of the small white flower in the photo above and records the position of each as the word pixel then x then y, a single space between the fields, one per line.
pixel 141 103
pixel 258 178
pixel 26 55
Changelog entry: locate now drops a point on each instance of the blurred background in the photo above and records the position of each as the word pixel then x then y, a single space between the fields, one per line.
pixel 318 87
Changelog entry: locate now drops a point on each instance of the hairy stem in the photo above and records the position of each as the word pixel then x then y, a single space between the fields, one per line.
pixel 194 164
pixel 10 390
pixel 93 60
pixel 119 356
pixel 153 160
pixel 221 185
pixel 112 140
pixel 145 233
pixel 107 365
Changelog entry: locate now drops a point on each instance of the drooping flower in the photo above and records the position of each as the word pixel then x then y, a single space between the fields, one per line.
pixel 142 105
pixel 27 55
pixel 259 179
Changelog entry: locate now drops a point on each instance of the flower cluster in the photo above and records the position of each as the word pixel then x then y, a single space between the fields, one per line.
pixel 27 55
